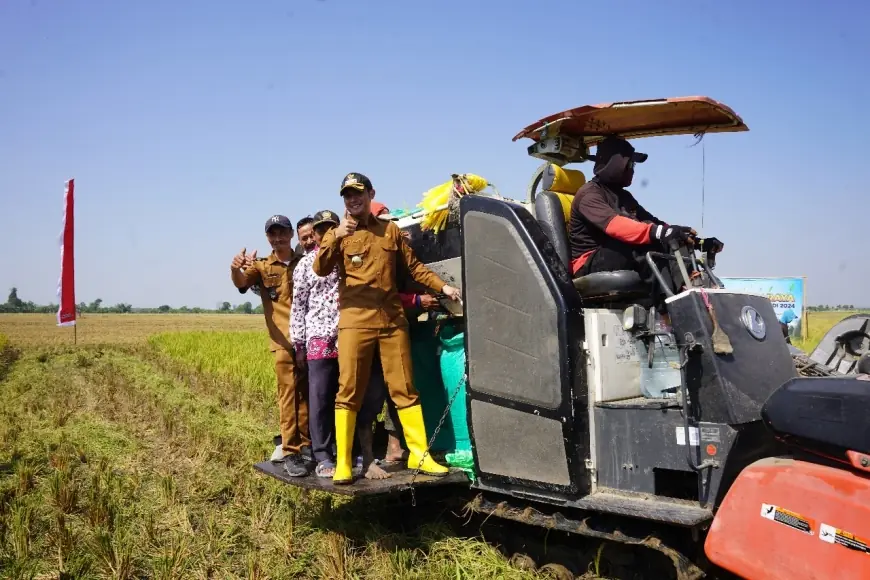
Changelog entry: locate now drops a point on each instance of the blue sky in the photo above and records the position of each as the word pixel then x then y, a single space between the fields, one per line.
pixel 187 124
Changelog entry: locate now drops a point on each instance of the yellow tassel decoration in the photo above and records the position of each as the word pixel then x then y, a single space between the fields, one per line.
pixel 440 195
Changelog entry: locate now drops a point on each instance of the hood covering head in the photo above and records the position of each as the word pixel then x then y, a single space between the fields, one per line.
pixel 614 161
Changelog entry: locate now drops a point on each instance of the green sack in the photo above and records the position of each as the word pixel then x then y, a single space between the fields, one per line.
pixel 452 362
pixel 425 347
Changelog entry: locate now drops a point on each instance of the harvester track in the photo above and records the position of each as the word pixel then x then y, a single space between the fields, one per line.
pixel 599 529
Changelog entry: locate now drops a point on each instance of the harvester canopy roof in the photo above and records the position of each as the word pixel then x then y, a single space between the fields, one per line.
pixel 635 119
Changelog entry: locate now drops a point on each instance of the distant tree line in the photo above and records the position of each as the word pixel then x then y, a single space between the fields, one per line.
pixel 14 304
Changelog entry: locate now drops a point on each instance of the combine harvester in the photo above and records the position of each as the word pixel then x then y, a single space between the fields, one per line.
pixel 636 413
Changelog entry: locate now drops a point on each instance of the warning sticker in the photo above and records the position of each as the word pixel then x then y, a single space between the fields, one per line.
pixel 833 535
pixel 787 518
pixel 693 436
pixel 710 434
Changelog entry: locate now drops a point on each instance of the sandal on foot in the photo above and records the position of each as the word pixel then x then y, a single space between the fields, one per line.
pixel 325 469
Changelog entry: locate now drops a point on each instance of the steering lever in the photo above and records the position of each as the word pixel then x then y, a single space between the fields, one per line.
pixel 675 248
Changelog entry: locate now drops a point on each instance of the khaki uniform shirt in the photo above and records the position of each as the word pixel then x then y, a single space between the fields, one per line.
pixel 368 296
pixel 274 278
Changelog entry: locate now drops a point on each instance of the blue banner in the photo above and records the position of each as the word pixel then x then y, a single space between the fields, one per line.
pixel 785 294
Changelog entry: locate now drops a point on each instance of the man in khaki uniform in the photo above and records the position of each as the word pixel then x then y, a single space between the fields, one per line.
pixel 272 276
pixel 367 251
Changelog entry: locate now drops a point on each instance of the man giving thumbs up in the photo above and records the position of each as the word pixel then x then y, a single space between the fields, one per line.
pixel 273 277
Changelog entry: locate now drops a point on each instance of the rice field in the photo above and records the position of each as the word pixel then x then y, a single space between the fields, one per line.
pixel 129 455
pixel 42 329
pixel 819 324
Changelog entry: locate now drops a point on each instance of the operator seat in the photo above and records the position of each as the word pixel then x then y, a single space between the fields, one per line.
pixel 553 212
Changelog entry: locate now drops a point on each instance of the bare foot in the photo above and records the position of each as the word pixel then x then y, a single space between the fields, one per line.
pixel 375 472
pixel 395 453
pixel 370 468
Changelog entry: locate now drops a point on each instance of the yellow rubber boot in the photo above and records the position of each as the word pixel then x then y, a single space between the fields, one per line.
pixel 345 421
pixel 411 419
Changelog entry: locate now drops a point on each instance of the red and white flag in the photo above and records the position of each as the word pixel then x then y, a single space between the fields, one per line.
pixel 66 285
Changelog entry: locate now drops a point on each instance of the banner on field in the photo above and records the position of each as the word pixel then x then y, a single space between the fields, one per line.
pixel 66 286
pixel 785 294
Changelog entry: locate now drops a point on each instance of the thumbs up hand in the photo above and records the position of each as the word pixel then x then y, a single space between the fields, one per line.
pixel 251 259
pixel 240 260
pixel 346 227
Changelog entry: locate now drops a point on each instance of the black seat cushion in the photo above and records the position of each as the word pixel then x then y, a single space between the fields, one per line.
pixel 551 216
pixel 621 283
pixel 827 414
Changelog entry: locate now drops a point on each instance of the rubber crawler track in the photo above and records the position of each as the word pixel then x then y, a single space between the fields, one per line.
pixel 685 569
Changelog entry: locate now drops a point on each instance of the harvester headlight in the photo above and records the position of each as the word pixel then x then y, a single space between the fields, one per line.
pixel 633 318
pixel 753 322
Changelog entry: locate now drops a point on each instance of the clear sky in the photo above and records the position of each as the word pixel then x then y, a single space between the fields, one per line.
pixel 187 124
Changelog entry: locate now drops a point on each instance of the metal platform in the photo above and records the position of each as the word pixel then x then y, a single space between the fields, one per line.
pixel 640 403
pixel 682 513
pixel 400 480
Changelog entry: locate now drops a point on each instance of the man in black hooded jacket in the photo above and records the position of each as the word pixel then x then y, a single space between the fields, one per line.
pixel 608 227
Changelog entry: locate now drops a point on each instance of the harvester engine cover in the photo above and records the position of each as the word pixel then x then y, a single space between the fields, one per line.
pixel 787 519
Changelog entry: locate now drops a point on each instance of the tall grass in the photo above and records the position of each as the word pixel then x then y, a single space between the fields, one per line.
pixel 8 354
pixel 38 330
pixel 135 461
pixel 239 357
pixel 819 325
pixel 114 466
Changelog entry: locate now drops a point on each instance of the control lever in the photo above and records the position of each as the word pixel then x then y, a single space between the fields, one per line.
pixel 681 262
pixel 657 273
pixel 711 260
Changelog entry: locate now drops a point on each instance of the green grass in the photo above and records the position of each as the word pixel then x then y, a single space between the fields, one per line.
pixel 8 355
pixel 238 357
pixel 819 325
pixel 135 461
pixel 133 458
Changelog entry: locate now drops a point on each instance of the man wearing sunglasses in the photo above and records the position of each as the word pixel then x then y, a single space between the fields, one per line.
pixel 608 227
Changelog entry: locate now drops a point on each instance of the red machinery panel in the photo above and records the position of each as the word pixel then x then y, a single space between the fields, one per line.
pixel 789 519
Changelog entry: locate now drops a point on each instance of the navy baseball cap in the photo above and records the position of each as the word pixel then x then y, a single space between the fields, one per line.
pixel 279 220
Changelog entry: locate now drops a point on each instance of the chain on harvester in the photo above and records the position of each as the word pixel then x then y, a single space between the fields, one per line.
pixel 435 436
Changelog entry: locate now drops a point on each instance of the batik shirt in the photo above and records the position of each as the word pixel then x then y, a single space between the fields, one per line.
pixel 314 314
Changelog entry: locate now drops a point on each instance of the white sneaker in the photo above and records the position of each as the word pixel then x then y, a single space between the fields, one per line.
pixel 277 455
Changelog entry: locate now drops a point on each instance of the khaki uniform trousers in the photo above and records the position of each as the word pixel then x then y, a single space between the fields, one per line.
pixel 356 350
pixel 292 402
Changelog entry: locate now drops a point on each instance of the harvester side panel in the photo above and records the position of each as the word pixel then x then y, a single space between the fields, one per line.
pixel 523 336
pixel 730 388
pixel 645 450
pixel 786 519
pixel 515 352
pixel 533 442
